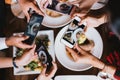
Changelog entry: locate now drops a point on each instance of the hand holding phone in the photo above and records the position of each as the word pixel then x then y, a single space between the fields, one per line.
pixel 33 27
pixel 69 37
pixel 43 55
pixel 61 7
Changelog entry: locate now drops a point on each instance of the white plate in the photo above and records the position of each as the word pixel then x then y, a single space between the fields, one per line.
pixel 63 58
pixel 55 22
pixel 76 77
pixel 21 70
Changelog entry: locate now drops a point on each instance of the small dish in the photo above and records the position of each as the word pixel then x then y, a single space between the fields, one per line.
pixel 21 70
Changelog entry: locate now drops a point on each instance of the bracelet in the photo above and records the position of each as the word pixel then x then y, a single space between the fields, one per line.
pixel 14 63
pixel 103 67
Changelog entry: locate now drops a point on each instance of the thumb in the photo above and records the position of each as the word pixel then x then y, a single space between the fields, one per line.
pixel 24 38
pixel 50 2
pixel 73 53
pixel 81 15
pixel 79 49
pixel 27 16
pixel 33 50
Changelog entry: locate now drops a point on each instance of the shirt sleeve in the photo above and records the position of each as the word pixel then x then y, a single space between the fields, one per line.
pixel 117 74
pixel 3 44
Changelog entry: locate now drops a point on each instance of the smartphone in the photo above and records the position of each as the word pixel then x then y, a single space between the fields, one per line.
pixel 73 26
pixel 43 55
pixel 33 27
pixel 61 7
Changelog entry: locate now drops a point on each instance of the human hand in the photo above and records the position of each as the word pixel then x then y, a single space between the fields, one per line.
pixel 80 56
pixel 92 21
pixel 47 76
pixel 26 5
pixel 44 3
pixel 85 57
pixel 27 57
pixel 83 5
pixel 17 41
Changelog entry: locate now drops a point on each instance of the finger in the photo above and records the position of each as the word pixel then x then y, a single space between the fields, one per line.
pixel 50 2
pixel 46 4
pixel 27 16
pixel 18 35
pixel 42 5
pixel 79 49
pixel 23 37
pixel 32 50
pixel 43 72
pixel 37 10
pixel 85 24
pixel 35 53
pixel 73 53
pixel 81 15
pixel 54 69
pixel 34 57
pixel 24 46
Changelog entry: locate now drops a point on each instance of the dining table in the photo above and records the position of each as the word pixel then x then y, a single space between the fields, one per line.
pixel 15 24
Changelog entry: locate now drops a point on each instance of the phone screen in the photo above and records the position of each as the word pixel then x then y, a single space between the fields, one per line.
pixel 61 7
pixel 44 56
pixel 68 37
pixel 33 27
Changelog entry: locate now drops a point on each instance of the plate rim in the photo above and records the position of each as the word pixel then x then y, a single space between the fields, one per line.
pixel 60 76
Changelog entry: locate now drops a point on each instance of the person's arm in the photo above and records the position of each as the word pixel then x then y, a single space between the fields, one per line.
pixel 95 62
pixel 3 43
pixel 17 41
pixel 88 58
pixel 14 41
pixel 93 21
pixel 26 58
pixel 83 5
pixel 27 4
pixel 6 62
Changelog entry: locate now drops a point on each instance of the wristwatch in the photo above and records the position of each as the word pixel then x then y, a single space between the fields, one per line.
pixel 14 63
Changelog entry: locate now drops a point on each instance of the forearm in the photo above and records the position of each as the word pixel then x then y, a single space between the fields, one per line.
pixel 97 63
pixel 104 67
pixel 109 69
pixel 8 62
pixel 5 62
